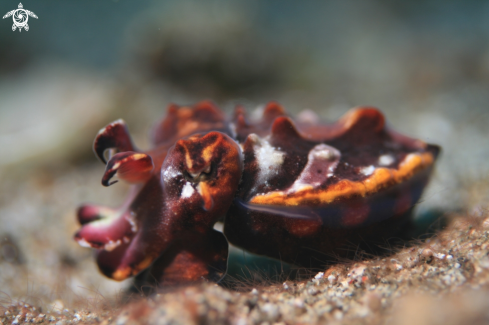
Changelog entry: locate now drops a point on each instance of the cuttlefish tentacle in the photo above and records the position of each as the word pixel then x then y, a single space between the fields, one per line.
pixel 114 136
pixel 104 228
pixel 132 167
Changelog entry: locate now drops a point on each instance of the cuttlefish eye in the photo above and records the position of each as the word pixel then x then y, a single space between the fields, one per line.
pixel 207 167
pixel 207 173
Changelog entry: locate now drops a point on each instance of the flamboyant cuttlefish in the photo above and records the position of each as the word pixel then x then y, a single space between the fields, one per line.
pixel 294 191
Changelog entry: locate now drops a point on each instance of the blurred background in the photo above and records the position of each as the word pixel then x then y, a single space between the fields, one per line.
pixel 83 64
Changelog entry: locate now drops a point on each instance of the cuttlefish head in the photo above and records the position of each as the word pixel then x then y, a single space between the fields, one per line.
pixel 200 176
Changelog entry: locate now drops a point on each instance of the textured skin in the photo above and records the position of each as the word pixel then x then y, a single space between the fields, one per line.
pixel 300 192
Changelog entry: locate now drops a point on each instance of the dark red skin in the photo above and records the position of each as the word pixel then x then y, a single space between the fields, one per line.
pixel 198 174
pixel 325 239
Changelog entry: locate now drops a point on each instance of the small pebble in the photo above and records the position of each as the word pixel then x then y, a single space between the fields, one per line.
pixel 427 252
pixel 299 303
pixel 338 315
pixel 439 256
pixel 485 224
